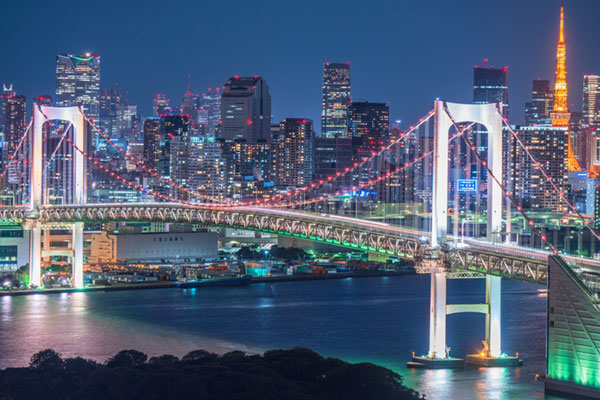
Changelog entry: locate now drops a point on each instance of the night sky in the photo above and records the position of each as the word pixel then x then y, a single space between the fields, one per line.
pixel 403 52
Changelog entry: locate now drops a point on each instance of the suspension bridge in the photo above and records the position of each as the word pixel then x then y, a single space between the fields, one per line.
pixel 573 319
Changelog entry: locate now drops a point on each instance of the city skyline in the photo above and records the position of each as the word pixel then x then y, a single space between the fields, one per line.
pixel 380 72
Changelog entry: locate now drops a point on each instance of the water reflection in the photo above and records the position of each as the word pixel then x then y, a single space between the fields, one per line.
pixel 372 320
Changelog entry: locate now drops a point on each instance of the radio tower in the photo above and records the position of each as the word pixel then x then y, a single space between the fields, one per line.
pixel 560 115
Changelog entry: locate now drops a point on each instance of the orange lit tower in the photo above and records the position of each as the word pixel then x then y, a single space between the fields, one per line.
pixel 560 115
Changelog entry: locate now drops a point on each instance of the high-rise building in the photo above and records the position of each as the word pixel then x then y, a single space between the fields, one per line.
pixel 295 153
pixel 490 85
pixel 245 109
pixel 7 92
pixel 332 156
pixel 336 100
pixel 207 167
pixel 160 106
pixel 174 137
pixel 127 122
pixel 110 98
pixel 189 105
pixel 591 102
pixel 17 178
pixel 78 82
pixel 209 105
pixel 549 146
pixel 538 110
pixel 151 142
pixel 371 122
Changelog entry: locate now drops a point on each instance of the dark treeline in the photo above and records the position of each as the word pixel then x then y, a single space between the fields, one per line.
pixel 279 374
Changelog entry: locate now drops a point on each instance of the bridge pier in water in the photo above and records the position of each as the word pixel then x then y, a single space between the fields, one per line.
pixel 439 356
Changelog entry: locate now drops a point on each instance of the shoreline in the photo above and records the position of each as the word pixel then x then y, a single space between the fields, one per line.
pixel 169 284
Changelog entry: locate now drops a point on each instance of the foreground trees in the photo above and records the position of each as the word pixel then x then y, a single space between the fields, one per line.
pixel 279 374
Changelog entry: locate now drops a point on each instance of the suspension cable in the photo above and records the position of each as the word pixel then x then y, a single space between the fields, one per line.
pixel 267 202
pixel 550 180
pixel 14 154
pixel 534 228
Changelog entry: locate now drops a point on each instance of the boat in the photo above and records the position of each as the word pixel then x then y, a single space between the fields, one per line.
pixel 216 282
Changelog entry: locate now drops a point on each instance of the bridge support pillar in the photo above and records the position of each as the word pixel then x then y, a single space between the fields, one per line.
pixel 493 296
pixel 35 254
pixel 78 255
pixel 438 356
pixel 437 313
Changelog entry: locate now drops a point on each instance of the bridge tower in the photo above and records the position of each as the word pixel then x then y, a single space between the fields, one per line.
pixel 74 115
pixel 446 115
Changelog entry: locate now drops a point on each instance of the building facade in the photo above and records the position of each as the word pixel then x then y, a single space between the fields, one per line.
pixel 336 100
pixel 245 109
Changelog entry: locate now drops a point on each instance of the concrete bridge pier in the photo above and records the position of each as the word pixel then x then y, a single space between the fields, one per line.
pixel 77 273
pixel 35 254
pixel 439 356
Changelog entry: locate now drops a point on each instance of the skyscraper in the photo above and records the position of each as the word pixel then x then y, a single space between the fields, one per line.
pixel 336 100
pixel 591 102
pixel 14 127
pixel 209 104
pixel 189 104
pixel 537 111
pixel 295 153
pixel 151 142
pixel 110 99
pixel 490 85
pixel 371 122
pixel 245 109
pixel 549 146
pixel 78 82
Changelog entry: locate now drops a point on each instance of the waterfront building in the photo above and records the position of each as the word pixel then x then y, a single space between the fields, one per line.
pixel 537 111
pixel 294 151
pixel 245 109
pixel 336 100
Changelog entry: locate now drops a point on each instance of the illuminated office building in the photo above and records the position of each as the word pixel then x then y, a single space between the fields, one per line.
pixel 537 111
pixel 336 100
pixel 548 145
pixel 490 85
pixel 245 109
pixel 209 105
pixel 78 82
pixel 371 122
pixel 151 134
pixel 16 180
pixel 294 150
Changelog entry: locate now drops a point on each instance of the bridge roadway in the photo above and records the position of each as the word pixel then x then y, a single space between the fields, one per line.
pixel 506 260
